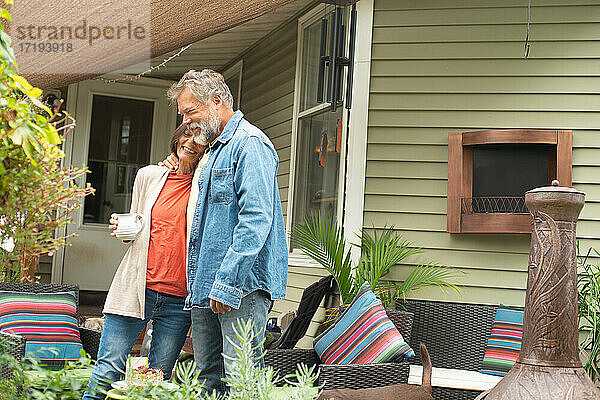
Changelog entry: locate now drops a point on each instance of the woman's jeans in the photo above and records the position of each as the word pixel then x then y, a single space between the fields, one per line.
pixel 210 332
pixel 170 327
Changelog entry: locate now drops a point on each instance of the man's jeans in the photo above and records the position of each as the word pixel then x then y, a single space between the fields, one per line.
pixel 210 332
pixel 170 327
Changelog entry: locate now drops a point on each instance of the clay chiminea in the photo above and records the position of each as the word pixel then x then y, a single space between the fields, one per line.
pixel 548 366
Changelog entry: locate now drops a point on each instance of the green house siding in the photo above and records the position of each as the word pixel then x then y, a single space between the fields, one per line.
pixel 440 67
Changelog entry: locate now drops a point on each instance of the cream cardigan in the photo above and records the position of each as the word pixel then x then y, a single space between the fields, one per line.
pixel 127 293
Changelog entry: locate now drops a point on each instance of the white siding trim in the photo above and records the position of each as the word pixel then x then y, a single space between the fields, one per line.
pixel 292 175
pixel 358 123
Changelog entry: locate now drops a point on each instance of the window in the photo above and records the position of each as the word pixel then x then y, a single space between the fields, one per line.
pixel 319 134
pixel 490 171
pixel 317 169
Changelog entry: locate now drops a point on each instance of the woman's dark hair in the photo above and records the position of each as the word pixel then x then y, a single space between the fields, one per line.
pixel 175 137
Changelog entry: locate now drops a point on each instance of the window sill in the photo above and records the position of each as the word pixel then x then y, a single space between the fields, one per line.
pixel 298 259
pixel 495 223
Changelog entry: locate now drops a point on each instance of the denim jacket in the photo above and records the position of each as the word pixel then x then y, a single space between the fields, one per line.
pixel 237 240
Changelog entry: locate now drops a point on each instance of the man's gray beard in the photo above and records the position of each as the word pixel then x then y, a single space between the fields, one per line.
pixel 209 129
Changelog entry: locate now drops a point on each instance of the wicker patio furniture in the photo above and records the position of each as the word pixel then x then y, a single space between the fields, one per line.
pixel 354 376
pixel 285 361
pixel 15 347
pixel 455 335
pixel 90 339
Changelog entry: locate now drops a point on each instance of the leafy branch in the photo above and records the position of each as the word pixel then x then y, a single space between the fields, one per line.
pixel 37 195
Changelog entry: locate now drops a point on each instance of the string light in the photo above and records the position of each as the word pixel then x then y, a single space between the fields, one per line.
pixel 131 78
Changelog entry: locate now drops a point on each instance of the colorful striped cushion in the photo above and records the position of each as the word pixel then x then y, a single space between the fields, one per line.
pixel 363 334
pixel 504 343
pixel 47 320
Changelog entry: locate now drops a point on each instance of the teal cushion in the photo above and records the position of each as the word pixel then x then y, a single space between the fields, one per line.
pixel 504 343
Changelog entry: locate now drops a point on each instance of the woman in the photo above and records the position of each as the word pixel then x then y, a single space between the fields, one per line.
pixel 150 283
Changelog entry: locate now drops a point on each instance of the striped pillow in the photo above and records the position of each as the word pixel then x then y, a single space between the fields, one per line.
pixel 504 343
pixel 363 334
pixel 47 320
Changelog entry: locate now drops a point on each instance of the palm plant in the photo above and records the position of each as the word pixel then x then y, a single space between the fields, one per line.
pixel 589 315
pixel 321 239
pixel 381 251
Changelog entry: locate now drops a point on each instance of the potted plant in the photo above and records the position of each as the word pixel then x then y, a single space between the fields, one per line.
pixel 37 194
pixel 588 285
pixel 322 239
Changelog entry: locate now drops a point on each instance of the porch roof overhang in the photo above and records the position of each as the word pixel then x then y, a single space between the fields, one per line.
pixel 173 24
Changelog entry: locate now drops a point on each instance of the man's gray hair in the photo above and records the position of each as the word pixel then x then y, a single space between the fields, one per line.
pixel 204 85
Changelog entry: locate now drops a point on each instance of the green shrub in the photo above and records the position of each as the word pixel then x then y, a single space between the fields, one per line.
pixel 247 381
pixel 31 381
pixel 588 285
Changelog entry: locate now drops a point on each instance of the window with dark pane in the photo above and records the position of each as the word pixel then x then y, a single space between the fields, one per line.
pixel 120 140
pixel 317 166
pixel 490 171
pixel 502 173
pixel 309 73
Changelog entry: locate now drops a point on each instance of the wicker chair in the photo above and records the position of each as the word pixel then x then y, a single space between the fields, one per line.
pixel 355 376
pixel 90 339
pixel 15 346
pixel 309 303
pixel 364 376
pixel 455 334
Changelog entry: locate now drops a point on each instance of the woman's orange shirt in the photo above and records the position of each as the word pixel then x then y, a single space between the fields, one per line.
pixel 167 251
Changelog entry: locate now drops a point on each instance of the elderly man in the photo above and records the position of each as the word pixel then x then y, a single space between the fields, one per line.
pixel 237 254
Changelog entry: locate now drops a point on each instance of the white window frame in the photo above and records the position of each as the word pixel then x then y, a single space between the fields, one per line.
pixel 296 257
pixel 228 73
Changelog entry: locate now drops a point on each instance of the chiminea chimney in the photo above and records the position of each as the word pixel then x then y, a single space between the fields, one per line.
pixel 548 366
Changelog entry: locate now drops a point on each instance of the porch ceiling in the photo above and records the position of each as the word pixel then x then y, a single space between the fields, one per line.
pixel 173 24
pixel 219 50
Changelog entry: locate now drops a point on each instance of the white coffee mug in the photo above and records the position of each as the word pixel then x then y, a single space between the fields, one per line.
pixel 129 225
